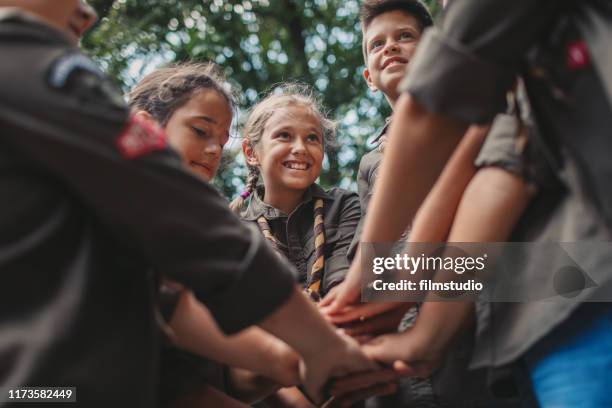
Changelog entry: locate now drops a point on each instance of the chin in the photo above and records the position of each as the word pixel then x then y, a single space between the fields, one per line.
pixel 298 184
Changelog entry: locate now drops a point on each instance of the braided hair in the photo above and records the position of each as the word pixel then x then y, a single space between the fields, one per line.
pixel 282 96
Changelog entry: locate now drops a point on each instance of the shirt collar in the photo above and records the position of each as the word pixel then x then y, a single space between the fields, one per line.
pixel 381 131
pixel 257 207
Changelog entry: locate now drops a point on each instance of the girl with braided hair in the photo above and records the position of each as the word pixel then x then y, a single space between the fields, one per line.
pixel 285 137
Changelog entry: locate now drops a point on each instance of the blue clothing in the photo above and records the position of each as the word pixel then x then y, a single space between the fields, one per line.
pixel 572 366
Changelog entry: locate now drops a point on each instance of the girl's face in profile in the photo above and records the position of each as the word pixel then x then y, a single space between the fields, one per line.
pixel 290 153
pixel 199 129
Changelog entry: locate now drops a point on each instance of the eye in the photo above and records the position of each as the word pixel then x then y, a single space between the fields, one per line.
pixel 375 44
pixel 199 132
pixel 313 137
pixel 283 135
pixel 406 35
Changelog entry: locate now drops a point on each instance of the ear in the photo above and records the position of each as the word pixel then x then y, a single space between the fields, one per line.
pixel 146 116
pixel 249 153
pixel 368 79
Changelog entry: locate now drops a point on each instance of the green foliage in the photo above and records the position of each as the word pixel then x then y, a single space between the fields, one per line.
pixel 258 43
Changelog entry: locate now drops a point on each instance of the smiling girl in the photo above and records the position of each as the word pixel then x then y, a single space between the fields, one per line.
pixel 284 142
pixel 196 111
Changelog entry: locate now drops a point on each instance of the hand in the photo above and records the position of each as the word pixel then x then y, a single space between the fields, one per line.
pixel 285 365
pixel 367 312
pixel 346 293
pixel 338 360
pixel 386 321
pixel 411 353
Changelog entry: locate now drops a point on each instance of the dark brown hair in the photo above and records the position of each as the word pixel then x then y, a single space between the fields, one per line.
pixel 370 9
pixel 165 90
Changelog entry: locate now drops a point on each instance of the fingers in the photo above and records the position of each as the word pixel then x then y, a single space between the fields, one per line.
pixel 348 292
pixel 360 381
pixel 330 297
pixel 363 311
pixel 386 348
pixel 386 322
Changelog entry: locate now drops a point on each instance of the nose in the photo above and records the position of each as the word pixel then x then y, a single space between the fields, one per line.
pixel 86 16
pixel 298 147
pixel 391 47
pixel 213 149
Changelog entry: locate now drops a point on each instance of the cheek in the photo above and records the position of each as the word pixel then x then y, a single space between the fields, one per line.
pixel 317 154
pixel 183 144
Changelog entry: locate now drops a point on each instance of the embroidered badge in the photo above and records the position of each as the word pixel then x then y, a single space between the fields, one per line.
pixel 139 138
pixel 69 64
pixel 577 55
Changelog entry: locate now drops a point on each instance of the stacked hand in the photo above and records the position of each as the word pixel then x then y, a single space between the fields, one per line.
pixel 375 325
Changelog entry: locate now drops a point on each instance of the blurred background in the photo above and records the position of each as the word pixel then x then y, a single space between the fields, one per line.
pixel 258 43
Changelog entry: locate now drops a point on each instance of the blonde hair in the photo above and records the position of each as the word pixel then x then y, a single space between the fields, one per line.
pixel 287 94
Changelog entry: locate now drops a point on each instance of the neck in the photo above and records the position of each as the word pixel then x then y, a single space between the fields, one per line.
pixel 286 201
pixel 392 99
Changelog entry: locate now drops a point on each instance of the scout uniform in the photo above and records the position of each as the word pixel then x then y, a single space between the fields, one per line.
pixel 294 234
pixel 463 70
pixel 91 201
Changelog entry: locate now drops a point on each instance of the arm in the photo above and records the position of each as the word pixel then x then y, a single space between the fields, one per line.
pixel 462 71
pixel 195 330
pixel 119 169
pixel 337 264
pixel 489 209
pixel 431 224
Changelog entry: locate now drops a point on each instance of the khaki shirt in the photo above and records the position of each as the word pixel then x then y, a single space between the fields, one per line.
pixel 296 235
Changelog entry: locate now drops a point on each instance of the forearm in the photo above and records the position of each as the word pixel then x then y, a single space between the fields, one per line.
pixel 419 146
pixel 195 330
pixel 309 334
pixel 434 219
pixel 489 209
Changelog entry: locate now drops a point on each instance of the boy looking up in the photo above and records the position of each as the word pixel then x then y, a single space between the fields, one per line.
pixel 391 32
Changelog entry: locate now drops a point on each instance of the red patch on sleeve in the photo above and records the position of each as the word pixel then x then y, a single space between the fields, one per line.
pixel 140 137
pixel 577 55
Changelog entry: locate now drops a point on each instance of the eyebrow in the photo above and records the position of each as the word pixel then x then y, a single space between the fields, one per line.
pixel 284 128
pixel 397 29
pixel 206 119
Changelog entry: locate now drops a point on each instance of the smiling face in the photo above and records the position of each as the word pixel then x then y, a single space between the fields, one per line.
pixel 390 41
pixel 290 152
pixel 199 129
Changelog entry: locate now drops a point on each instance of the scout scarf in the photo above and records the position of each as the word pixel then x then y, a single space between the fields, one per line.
pixel 313 286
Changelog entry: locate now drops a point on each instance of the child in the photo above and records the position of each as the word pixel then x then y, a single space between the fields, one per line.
pixel 196 110
pixel 96 200
pixel 285 137
pixel 391 32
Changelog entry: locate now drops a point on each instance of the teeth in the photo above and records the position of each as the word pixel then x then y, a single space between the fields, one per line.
pixel 296 166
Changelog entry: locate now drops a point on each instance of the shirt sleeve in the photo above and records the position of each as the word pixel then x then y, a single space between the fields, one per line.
pixel 464 68
pixel 363 188
pixel 337 264
pixel 62 119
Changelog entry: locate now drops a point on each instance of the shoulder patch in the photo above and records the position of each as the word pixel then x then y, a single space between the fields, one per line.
pixel 68 64
pixel 139 138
